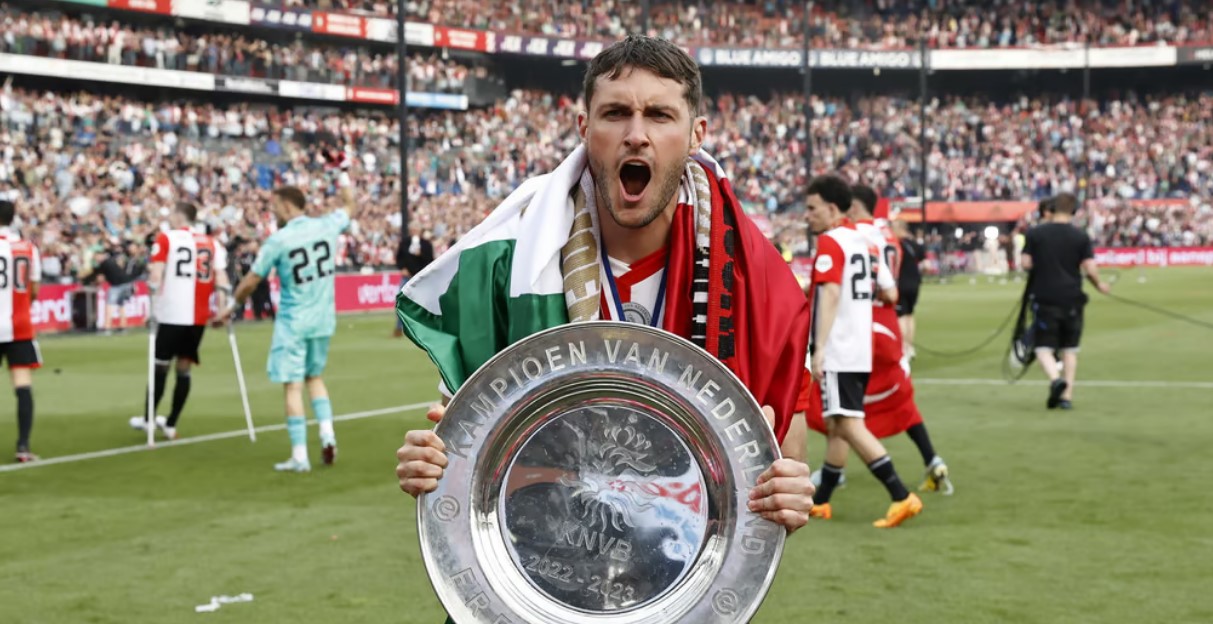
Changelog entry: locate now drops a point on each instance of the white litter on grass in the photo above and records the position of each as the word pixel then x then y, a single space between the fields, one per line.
pixel 218 601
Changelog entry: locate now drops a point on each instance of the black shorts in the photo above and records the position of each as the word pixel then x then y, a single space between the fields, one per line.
pixel 178 341
pixel 21 354
pixel 1057 327
pixel 842 394
pixel 907 300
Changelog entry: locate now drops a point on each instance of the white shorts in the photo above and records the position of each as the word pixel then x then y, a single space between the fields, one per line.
pixel 842 394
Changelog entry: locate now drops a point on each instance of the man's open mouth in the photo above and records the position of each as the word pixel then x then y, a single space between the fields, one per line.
pixel 634 177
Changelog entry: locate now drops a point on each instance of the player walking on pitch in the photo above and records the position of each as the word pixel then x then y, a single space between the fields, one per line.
pixel 845 273
pixel 303 252
pixel 889 405
pixel 20 273
pixel 186 265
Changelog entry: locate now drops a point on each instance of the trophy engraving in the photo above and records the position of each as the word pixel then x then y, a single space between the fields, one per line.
pixel 592 515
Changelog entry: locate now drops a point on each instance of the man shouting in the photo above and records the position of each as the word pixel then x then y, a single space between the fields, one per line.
pixel 638 225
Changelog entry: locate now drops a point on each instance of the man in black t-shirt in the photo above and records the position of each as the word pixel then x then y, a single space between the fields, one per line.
pixel 909 278
pixel 1057 255
pixel 122 264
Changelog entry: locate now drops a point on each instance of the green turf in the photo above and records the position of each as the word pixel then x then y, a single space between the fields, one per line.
pixel 1097 515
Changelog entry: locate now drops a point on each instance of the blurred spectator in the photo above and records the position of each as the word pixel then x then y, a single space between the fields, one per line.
pixel 120 265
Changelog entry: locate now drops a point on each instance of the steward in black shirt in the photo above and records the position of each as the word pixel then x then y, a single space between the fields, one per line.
pixel 1057 255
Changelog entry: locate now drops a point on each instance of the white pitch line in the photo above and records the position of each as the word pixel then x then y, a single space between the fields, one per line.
pixel 238 433
pixel 1095 383
pixel 51 461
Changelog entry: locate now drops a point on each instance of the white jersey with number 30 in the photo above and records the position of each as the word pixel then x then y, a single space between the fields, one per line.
pixel 844 257
pixel 887 257
pixel 191 262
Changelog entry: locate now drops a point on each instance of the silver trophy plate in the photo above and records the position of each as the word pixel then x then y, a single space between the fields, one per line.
pixel 599 473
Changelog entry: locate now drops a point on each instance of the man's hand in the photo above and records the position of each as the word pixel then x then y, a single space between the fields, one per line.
pixel 1103 287
pixel 784 493
pixel 422 458
pixel 819 360
pixel 223 317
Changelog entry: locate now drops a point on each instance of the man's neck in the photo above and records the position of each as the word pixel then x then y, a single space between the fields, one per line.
pixel 1062 218
pixel 631 244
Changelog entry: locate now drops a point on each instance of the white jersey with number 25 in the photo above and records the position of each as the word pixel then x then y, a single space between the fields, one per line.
pixel 844 257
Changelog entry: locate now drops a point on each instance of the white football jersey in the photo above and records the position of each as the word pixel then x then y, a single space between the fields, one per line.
pixel 20 267
pixel 844 257
pixel 191 263
pixel 886 255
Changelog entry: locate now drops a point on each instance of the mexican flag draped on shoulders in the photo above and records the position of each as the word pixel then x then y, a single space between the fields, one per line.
pixel 533 264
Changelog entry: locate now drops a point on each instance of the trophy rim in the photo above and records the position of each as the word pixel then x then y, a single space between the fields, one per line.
pixel 691 584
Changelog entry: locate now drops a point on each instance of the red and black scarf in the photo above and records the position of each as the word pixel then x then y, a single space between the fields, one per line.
pixel 755 318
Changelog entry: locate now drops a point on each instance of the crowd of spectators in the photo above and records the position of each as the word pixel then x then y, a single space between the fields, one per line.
pixel 839 23
pixel 1113 222
pixel 874 24
pixel 59 36
pixel 93 168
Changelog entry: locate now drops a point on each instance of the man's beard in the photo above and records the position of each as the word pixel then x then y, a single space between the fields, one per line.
pixel 604 183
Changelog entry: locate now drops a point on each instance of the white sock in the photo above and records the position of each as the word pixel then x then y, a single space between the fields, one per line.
pixel 299 453
pixel 326 430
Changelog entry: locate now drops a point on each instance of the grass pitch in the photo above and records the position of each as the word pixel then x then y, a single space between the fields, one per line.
pixel 1095 515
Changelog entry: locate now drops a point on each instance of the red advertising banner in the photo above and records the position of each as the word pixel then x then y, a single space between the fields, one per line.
pixel 354 292
pixel 1154 256
pixel 367 293
pixel 367 95
pixel 339 24
pixel 52 311
pixel 163 7
pixel 477 40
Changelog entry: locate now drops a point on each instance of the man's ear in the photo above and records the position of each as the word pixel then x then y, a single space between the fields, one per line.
pixel 699 130
pixel 583 124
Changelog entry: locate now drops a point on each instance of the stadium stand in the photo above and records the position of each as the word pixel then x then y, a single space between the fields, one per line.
pixel 96 164
pixel 873 24
pixel 54 35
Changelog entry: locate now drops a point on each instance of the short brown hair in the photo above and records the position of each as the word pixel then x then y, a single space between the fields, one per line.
pixel 291 195
pixel 866 196
pixel 833 189
pixel 650 53
pixel 187 210
pixel 1065 203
